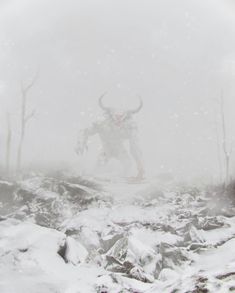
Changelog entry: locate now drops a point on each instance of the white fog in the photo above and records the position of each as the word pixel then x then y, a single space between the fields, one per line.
pixel 131 192
pixel 177 57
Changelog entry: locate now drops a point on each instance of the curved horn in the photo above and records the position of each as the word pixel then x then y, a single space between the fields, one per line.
pixel 139 107
pixel 101 104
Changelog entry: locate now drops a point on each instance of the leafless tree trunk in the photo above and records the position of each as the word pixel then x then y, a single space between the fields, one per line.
pixel 25 118
pixel 218 145
pixel 8 142
pixel 227 150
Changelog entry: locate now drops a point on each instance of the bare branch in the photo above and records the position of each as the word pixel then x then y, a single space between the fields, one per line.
pixel 226 150
pixel 25 89
pixel 231 148
pixel 30 116
pixel 223 122
pixel 218 145
pixel 8 141
pixel 25 117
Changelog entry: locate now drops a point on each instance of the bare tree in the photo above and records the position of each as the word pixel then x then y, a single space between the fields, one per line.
pixel 8 142
pixel 25 118
pixel 226 146
pixel 218 146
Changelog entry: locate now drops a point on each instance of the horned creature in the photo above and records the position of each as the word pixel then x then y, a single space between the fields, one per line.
pixel 115 131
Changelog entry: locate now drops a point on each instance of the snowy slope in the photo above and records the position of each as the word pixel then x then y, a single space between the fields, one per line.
pixel 72 235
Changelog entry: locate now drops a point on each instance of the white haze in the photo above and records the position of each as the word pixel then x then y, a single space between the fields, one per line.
pixel 178 55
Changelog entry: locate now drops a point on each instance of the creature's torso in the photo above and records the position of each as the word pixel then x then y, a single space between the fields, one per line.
pixel 113 136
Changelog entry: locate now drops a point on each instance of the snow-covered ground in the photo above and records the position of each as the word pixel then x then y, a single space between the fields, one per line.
pixel 81 235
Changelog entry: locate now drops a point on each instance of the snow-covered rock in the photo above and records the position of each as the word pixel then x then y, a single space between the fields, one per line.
pixel 29 245
pixel 102 236
pixel 75 252
pixel 134 258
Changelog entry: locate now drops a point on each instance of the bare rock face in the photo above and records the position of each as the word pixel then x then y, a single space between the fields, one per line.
pixel 137 260
pixel 116 256
pixel 109 240
pixel 131 257
pixel 139 274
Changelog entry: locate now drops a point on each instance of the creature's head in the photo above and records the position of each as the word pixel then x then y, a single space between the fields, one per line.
pixel 119 116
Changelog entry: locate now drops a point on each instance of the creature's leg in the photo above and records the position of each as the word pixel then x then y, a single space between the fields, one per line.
pixel 126 162
pixel 102 160
pixel 140 168
pixel 137 155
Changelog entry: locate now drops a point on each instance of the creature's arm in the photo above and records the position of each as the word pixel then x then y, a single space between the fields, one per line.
pixel 82 143
pixel 136 153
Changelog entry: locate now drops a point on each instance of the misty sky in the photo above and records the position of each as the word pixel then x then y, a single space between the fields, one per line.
pixel 178 55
